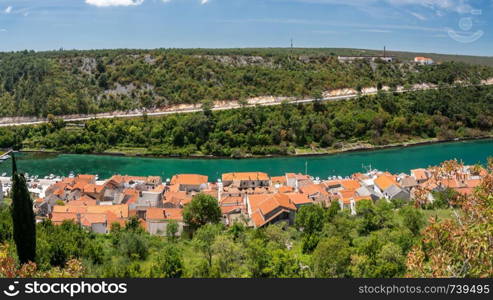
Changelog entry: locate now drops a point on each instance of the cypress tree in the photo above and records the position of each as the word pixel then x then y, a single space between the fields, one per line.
pixel 23 217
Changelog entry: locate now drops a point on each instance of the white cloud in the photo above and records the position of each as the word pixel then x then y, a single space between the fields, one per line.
pixel 3 30
pixel 418 16
pixel 106 3
pixel 8 10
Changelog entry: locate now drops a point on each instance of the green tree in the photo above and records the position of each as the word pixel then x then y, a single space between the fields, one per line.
pixel 412 218
pixel 169 263
pixel 24 225
pixel 133 245
pixel 172 230
pixel 202 210
pixel 310 219
pixel 229 256
pixel 331 258
pixel 203 240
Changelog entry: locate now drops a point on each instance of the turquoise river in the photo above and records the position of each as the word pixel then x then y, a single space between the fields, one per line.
pixel 395 160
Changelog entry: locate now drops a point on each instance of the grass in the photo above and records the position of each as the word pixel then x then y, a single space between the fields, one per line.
pixel 442 214
pixel 127 151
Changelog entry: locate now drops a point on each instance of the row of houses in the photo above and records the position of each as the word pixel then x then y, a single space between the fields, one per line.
pixel 253 198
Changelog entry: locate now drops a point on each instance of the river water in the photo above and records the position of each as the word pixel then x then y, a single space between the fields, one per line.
pixel 393 160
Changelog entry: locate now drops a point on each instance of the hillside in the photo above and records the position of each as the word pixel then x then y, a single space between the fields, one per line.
pixel 377 120
pixel 87 82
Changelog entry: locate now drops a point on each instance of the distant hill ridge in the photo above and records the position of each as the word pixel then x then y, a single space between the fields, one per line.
pixel 68 82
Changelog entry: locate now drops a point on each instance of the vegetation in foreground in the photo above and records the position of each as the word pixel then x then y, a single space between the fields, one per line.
pixel 383 240
pixel 383 119
pixel 87 82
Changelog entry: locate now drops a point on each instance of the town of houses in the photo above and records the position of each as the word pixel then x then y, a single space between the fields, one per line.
pixel 253 198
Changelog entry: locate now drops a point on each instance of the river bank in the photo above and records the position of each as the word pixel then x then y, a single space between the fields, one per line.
pixel 349 148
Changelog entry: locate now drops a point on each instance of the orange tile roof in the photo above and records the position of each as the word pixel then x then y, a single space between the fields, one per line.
pixel 69 209
pixel 419 174
pixel 259 220
pixel 279 179
pixel 465 191
pixel 473 183
pixel 350 184
pixel 177 198
pixel 112 218
pixel 133 195
pixel 231 200
pixel 299 199
pixel 174 214
pixel 93 188
pixel 164 214
pixel 68 181
pixel 86 219
pixel 89 219
pixel 347 194
pixel 360 176
pixel 228 209
pixel 83 201
pixel 298 176
pixel 212 193
pixel 267 203
pixel 58 192
pixel 385 181
pixel 451 183
pixel 120 210
pixel 189 179
pixel 158 189
pixel 286 189
pixel 245 176
pixel 312 189
pixel 429 184
pixel 126 178
pixel 154 213
pixel 59 217
pixel 86 177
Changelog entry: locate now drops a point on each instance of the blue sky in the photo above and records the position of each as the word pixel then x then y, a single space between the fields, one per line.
pixel 445 26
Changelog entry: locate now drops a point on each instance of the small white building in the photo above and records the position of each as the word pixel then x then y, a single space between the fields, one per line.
pixel 424 60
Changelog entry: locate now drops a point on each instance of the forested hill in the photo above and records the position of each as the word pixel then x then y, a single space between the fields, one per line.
pixel 86 82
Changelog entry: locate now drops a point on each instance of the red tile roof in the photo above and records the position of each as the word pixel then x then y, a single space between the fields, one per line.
pixel 419 174
pixel 189 179
pixel 244 176
pixel 299 199
pixel 312 189
pixel 286 189
pixel 385 181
